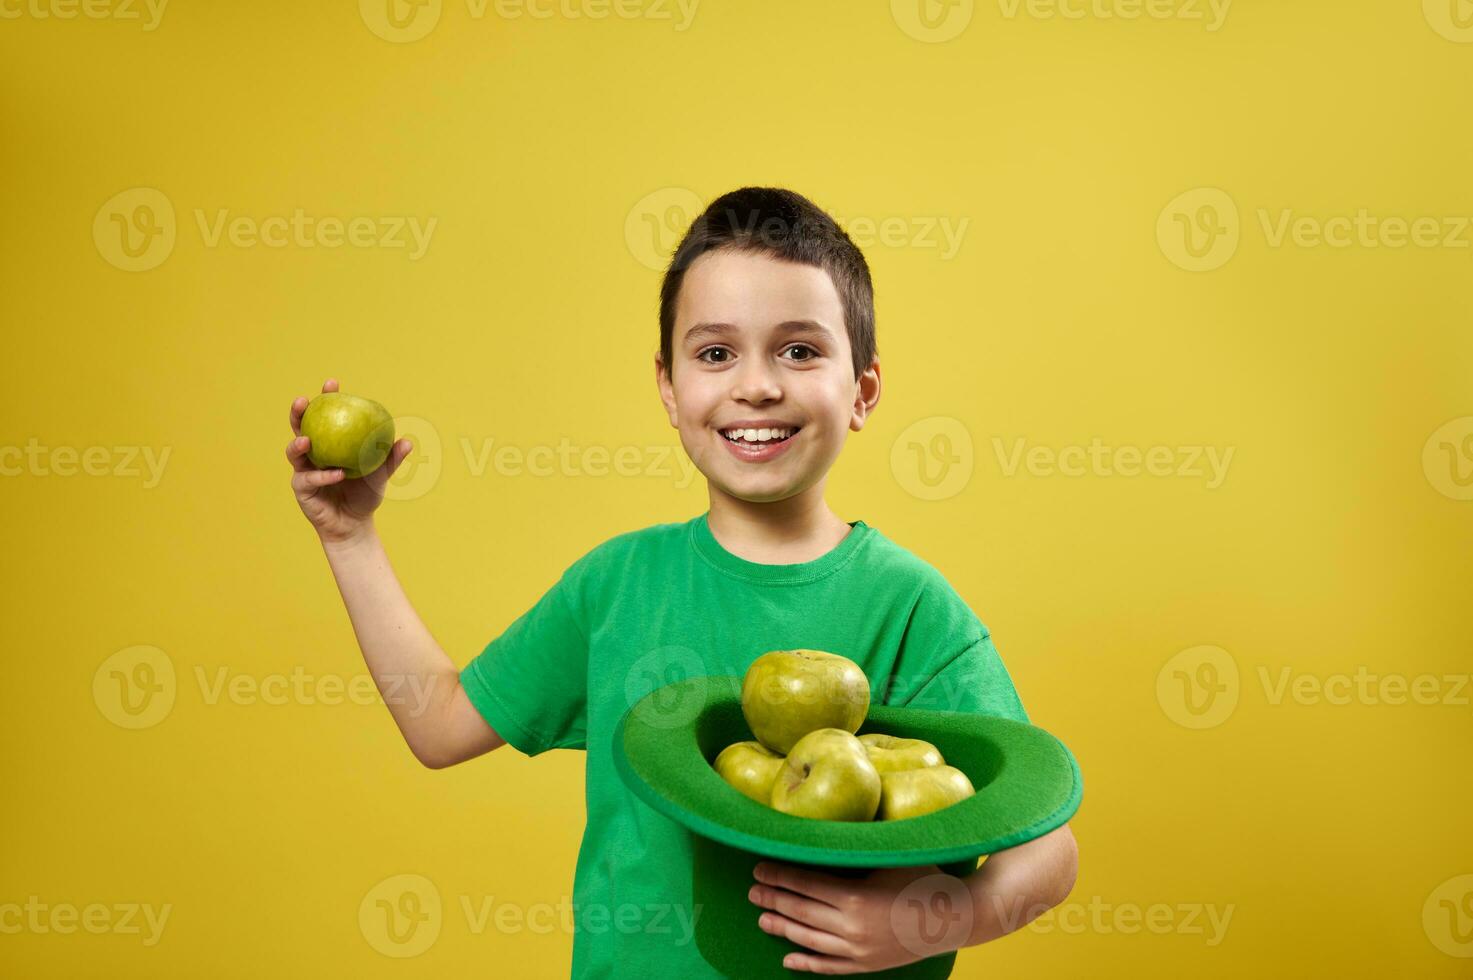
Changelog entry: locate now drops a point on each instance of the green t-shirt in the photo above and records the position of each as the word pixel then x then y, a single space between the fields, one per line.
pixel 656 605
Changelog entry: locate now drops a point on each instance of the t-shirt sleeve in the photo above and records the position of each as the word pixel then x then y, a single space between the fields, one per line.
pixel 948 661
pixel 531 682
pixel 974 680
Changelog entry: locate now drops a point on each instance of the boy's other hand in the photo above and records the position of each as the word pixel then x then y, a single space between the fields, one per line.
pixel 890 917
pixel 340 509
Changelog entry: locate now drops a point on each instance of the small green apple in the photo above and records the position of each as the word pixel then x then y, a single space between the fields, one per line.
pixel 788 693
pixel 915 792
pixel 891 753
pixel 348 433
pixel 750 767
pixel 827 776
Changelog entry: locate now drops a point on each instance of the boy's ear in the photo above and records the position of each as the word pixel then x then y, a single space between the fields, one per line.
pixel 866 394
pixel 667 390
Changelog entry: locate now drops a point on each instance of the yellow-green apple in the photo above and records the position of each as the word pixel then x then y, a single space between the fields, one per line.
pixel 788 693
pixel 891 753
pixel 348 433
pixel 914 792
pixel 750 767
pixel 827 776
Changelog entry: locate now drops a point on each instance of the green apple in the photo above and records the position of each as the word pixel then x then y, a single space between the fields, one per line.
pixel 891 753
pixel 788 693
pixel 827 776
pixel 914 792
pixel 348 433
pixel 750 767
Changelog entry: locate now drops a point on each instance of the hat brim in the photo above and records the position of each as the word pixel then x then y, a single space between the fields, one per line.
pixel 1027 782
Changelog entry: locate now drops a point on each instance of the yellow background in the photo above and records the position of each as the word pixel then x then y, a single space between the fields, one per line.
pixel 1325 828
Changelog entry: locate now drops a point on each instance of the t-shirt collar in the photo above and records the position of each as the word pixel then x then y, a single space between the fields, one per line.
pixel 710 549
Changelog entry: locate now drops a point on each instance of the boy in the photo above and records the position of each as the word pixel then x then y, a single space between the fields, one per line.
pixel 767 360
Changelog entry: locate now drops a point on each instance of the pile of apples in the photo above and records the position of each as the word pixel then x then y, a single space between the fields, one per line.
pixel 804 707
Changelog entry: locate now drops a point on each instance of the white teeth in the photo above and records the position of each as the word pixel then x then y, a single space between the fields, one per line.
pixel 758 435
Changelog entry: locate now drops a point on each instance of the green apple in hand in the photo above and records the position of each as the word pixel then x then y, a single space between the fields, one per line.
pixel 914 792
pixel 750 767
pixel 788 693
pixel 827 776
pixel 348 433
pixel 891 753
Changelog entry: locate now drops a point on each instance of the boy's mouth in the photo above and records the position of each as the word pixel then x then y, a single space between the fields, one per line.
pixel 759 437
pixel 759 444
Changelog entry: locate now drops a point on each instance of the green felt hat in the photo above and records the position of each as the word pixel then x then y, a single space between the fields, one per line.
pixel 1027 784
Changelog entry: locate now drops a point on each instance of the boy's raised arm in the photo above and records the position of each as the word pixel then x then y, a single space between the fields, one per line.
pixel 418 681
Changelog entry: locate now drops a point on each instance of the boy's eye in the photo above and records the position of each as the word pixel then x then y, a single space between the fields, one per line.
pixel 811 353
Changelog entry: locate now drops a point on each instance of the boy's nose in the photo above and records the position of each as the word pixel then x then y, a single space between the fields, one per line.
pixel 755 382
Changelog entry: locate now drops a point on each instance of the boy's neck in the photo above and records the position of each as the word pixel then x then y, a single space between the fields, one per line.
pixel 782 532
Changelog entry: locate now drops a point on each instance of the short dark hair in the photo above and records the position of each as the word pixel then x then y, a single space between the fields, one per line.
pixel 786 226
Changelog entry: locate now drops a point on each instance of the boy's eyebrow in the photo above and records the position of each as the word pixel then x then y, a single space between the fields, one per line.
pixel 812 327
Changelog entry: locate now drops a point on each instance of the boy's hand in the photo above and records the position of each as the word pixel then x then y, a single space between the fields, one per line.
pixel 340 509
pixel 889 918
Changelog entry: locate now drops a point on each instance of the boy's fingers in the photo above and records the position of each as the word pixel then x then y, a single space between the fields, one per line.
pixel 397 455
pixel 296 453
pixel 805 881
pixel 819 915
pixel 312 479
pixel 815 939
pixel 808 963
pixel 331 384
pixel 299 405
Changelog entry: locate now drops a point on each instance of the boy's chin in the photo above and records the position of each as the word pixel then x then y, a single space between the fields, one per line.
pixel 755 492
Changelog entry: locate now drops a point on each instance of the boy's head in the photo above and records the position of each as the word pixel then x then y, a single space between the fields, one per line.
pixel 767 315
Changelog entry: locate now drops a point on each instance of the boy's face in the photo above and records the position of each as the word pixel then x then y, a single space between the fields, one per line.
pixel 759 340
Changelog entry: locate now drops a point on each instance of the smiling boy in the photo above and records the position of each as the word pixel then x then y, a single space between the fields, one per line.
pixel 767 362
